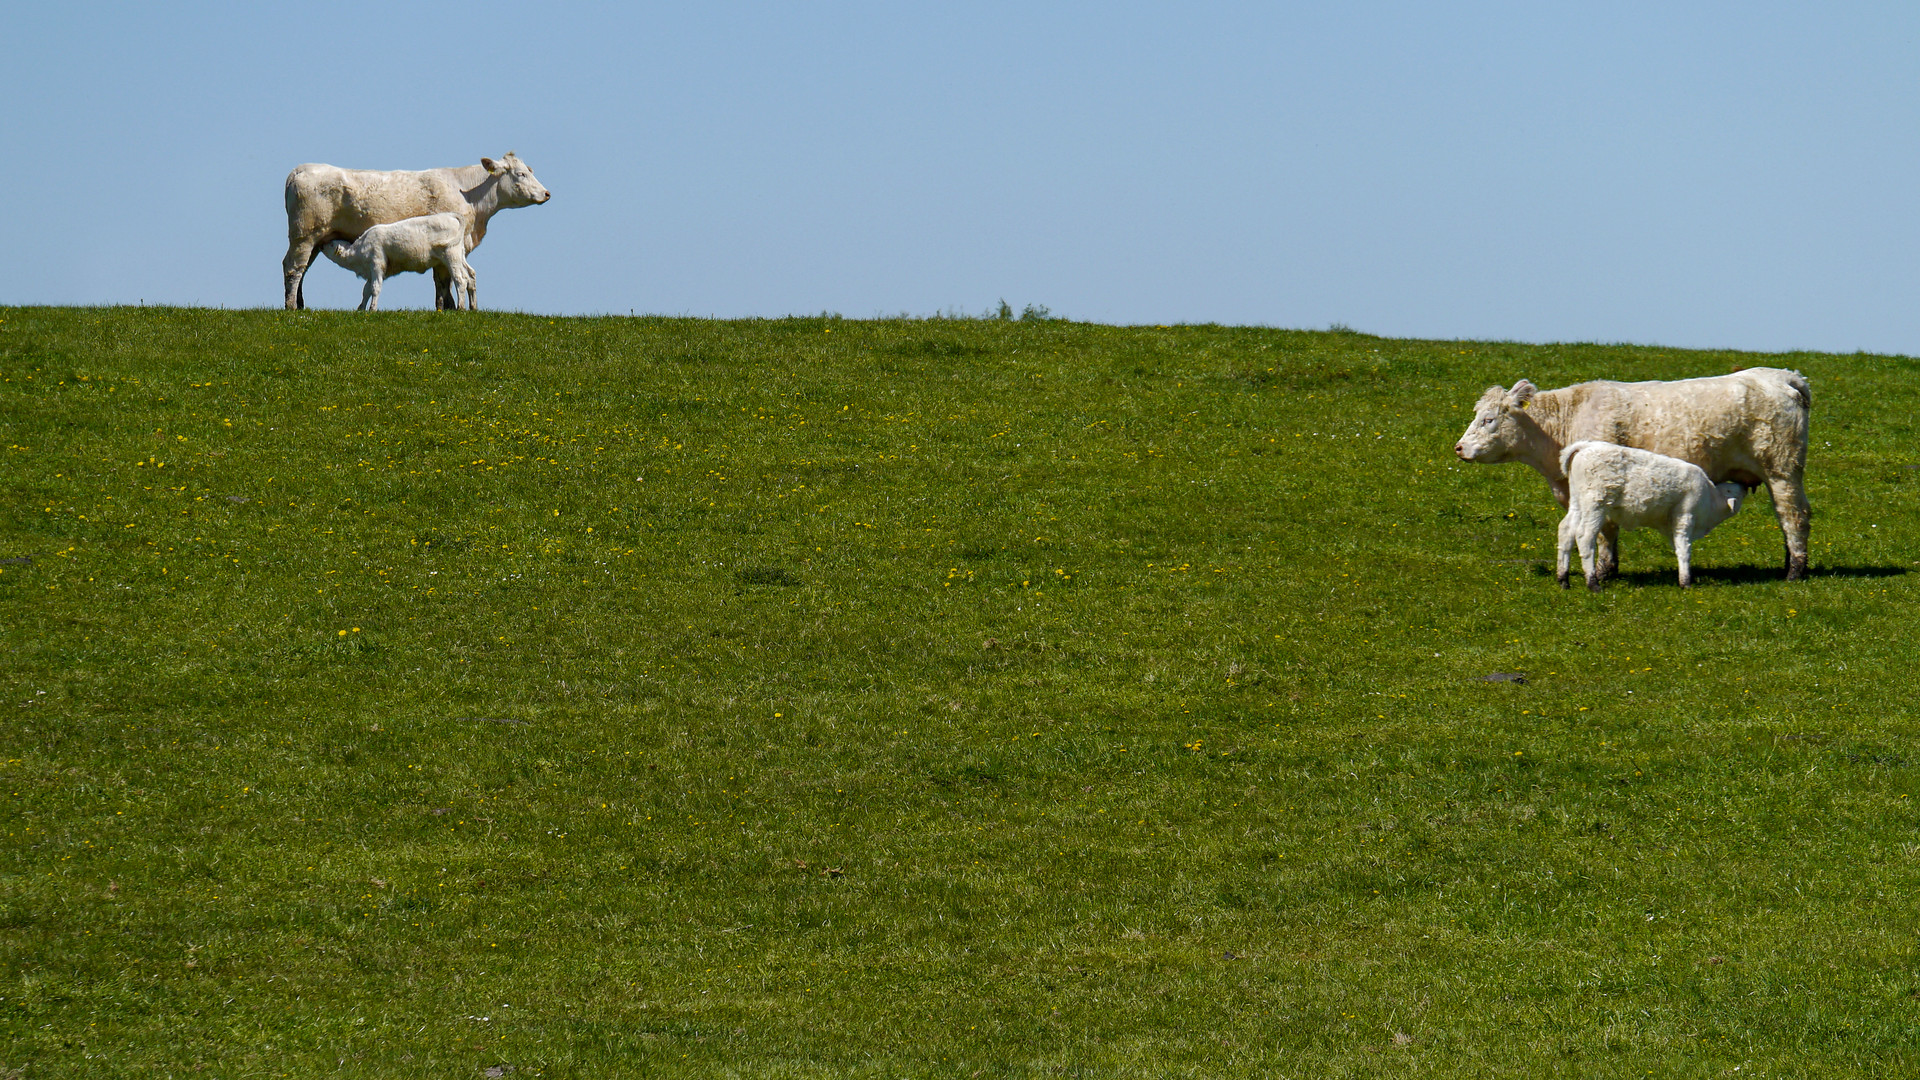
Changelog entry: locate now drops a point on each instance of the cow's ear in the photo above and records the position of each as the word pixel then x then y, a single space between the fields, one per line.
pixel 1522 392
pixel 492 166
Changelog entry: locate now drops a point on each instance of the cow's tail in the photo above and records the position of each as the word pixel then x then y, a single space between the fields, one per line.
pixel 1566 455
pixel 1799 385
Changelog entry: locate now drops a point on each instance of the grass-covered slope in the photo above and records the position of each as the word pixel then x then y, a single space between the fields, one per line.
pixel 409 695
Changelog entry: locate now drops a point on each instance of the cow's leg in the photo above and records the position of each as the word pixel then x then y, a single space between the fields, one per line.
pixel 1796 521
pixel 1608 554
pixel 294 271
pixel 442 289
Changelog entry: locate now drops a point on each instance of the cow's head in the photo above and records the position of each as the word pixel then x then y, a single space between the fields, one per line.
pixel 1497 429
pixel 517 184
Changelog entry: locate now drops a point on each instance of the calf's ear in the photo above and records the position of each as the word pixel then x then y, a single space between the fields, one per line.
pixel 1522 392
pixel 492 166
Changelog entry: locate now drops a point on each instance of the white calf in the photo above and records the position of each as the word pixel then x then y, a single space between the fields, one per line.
pixel 1637 489
pixel 415 245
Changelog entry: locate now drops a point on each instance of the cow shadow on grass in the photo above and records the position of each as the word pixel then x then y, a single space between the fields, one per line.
pixel 1744 575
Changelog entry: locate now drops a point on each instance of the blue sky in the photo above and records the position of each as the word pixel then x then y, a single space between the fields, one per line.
pixel 1737 175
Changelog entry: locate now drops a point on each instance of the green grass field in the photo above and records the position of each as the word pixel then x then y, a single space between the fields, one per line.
pixel 411 696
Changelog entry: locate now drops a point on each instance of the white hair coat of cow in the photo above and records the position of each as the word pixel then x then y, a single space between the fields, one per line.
pixel 435 242
pixel 1637 489
pixel 1749 427
pixel 327 203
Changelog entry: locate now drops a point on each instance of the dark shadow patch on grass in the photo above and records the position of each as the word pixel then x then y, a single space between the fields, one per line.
pixel 671 406
pixel 766 575
pixel 936 349
pixel 974 770
pixel 1858 571
pixel 1870 755
pixel 1534 566
pixel 815 470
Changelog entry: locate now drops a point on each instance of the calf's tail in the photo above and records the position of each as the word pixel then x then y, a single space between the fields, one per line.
pixel 1566 455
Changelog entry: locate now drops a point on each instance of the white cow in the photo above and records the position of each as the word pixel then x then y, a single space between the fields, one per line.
pixel 1750 427
pixel 435 242
pixel 1637 489
pixel 327 203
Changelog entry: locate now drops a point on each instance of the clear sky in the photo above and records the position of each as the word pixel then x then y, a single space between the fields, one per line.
pixel 1730 174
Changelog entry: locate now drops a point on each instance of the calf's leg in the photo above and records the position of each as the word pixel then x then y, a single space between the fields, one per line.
pixel 463 280
pixel 1609 550
pixel 370 296
pixel 1564 554
pixel 1683 550
pixel 1588 538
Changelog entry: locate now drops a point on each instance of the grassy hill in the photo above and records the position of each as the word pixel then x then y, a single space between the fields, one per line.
pixel 412 695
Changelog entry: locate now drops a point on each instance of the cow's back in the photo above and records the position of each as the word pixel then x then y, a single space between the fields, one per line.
pixel 328 201
pixel 1744 426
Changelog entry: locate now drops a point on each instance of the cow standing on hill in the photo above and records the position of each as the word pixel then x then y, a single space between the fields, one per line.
pixel 327 203
pixel 1749 427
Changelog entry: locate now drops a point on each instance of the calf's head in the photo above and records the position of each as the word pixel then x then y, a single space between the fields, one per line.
pixel 1499 425
pixel 517 184
pixel 1733 495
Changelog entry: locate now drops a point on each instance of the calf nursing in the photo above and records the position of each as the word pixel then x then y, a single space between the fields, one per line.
pixel 432 242
pixel 1637 489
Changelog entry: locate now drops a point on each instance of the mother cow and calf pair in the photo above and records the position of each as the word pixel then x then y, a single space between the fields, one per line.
pixel 1747 428
pixel 376 223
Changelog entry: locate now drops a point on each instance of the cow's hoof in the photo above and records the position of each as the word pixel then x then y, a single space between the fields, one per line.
pixel 1563 581
pixel 1797 572
pixel 1595 584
